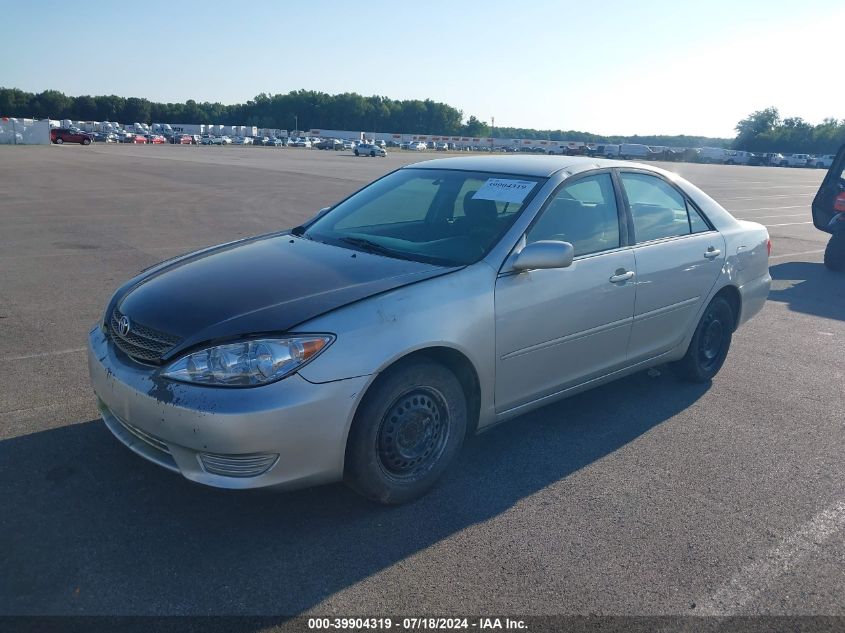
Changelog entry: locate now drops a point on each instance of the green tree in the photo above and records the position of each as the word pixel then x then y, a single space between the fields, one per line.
pixel 476 128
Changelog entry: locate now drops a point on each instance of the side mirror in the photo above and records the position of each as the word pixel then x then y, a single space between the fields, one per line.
pixel 544 254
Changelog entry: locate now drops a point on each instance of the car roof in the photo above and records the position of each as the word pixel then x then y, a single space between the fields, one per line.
pixel 537 166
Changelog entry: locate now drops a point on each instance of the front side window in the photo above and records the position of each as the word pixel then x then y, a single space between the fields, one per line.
pixel 583 213
pixel 446 217
pixel 658 209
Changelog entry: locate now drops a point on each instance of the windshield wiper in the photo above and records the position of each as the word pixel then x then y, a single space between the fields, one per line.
pixel 373 247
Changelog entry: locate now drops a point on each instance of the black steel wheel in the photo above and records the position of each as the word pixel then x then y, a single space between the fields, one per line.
pixel 710 343
pixel 413 433
pixel 409 427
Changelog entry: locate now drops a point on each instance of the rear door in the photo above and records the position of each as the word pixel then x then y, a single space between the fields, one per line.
pixel 678 258
pixel 832 187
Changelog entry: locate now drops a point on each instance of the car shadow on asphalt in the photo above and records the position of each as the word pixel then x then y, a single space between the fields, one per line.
pixel 810 288
pixel 89 528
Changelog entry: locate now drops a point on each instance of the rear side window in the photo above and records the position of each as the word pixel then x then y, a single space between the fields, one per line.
pixel 584 214
pixel 658 210
pixel 696 222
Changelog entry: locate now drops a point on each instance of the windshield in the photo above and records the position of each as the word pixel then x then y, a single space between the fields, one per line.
pixel 439 216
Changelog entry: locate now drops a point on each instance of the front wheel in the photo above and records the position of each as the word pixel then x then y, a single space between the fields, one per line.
pixel 356 153
pixel 59 141
pixel 408 429
pixel 710 343
pixel 86 141
pixel 834 254
pixel 372 154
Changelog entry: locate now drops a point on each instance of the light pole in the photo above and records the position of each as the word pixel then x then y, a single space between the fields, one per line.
pixel 296 124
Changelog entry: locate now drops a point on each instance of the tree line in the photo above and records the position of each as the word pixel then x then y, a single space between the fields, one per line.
pixel 303 108
pixel 765 131
pixel 761 131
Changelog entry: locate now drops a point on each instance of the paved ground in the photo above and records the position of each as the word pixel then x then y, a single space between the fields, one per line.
pixel 648 496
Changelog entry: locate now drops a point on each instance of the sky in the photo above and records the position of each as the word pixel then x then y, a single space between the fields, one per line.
pixel 602 66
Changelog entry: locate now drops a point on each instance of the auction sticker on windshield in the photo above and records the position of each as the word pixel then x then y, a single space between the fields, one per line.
pixel 504 190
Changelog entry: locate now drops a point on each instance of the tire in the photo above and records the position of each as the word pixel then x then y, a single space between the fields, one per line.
pixel 59 141
pixel 372 154
pixel 86 141
pixel 834 253
pixel 710 343
pixel 407 431
pixel 356 153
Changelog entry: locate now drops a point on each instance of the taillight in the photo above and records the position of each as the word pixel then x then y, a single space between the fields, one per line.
pixel 769 247
pixel 839 203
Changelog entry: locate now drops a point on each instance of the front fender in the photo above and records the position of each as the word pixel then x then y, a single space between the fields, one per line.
pixel 454 311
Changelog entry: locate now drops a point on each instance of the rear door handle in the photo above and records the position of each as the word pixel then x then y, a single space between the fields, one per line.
pixel 712 252
pixel 619 277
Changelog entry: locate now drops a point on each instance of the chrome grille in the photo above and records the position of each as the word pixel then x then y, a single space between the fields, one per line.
pixel 250 465
pixel 141 343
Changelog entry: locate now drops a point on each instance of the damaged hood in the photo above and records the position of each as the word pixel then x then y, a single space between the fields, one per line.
pixel 262 285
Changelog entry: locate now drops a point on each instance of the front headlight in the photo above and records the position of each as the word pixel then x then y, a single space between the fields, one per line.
pixel 247 363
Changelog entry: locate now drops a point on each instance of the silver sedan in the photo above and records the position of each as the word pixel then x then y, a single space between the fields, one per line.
pixel 440 300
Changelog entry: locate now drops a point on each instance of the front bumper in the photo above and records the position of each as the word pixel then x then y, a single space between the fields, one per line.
pixel 292 433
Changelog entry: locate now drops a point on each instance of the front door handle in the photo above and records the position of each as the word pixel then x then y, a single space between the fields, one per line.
pixel 712 253
pixel 621 276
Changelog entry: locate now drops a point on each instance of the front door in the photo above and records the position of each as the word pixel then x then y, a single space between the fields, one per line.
pixel 559 327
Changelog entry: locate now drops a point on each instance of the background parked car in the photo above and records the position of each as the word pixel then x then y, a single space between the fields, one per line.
pixel 795 160
pixel 634 150
pixel 368 149
pixel 329 143
pixel 738 157
pixel 104 137
pixel 70 135
pixel 822 162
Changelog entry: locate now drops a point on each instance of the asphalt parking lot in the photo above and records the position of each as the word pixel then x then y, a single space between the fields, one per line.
pixel 647 496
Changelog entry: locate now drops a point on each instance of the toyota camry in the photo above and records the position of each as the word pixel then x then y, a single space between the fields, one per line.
pixel 448 296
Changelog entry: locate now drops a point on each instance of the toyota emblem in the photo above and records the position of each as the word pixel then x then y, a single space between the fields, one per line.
pixel 123 326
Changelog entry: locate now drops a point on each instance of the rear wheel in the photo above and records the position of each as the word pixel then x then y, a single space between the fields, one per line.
pixel 407 431
pixel 834 254
pixel 356 153
pixel 710 343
